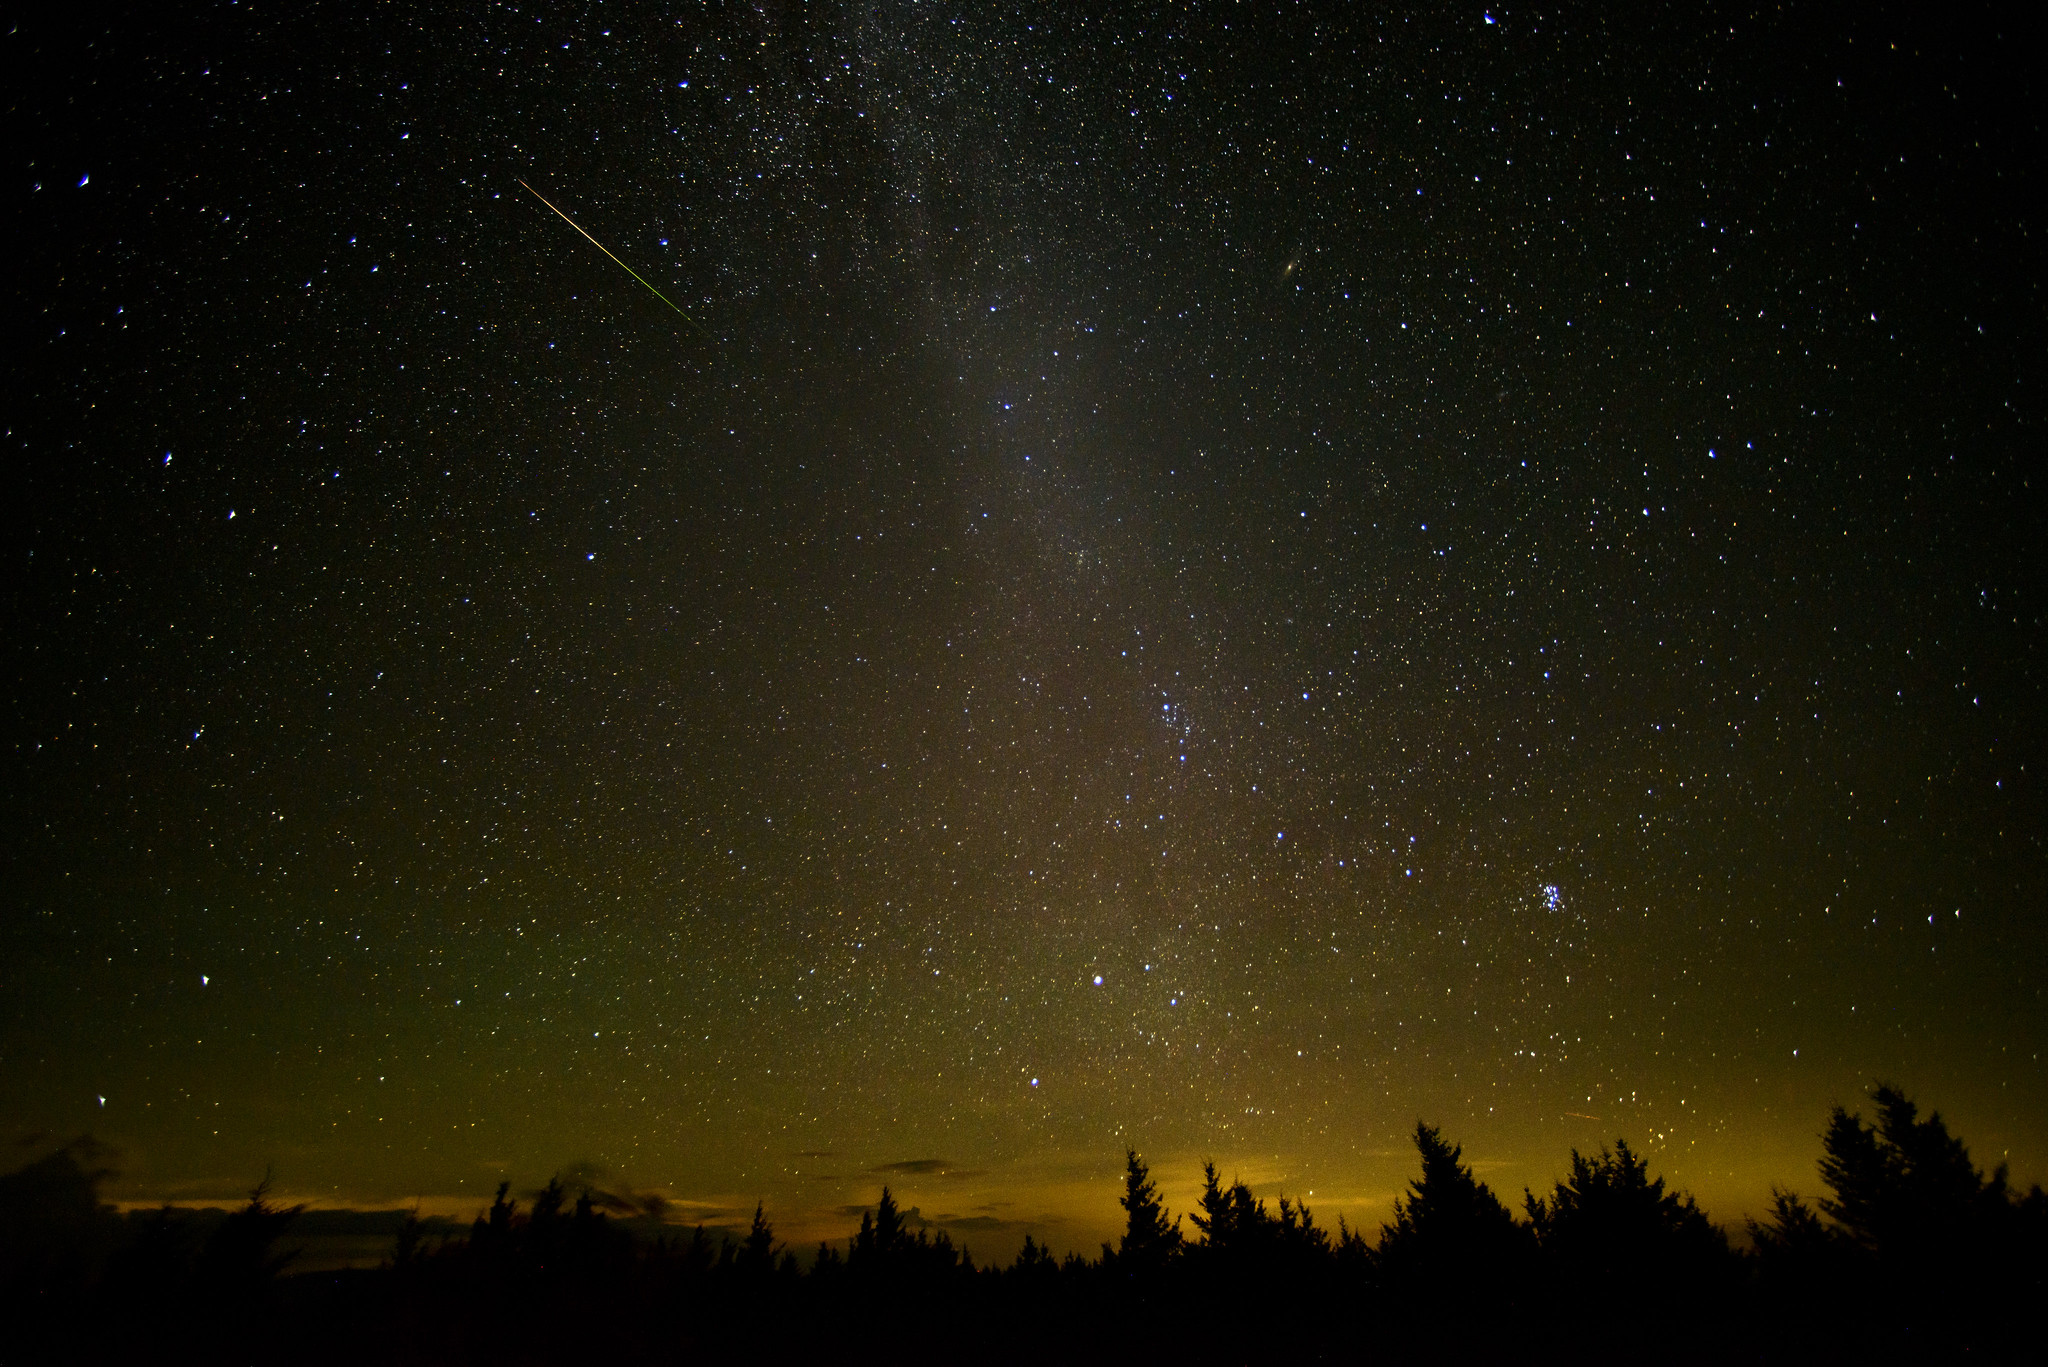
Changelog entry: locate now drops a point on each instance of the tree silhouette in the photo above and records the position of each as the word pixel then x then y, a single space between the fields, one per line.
pixel 491 1235
pixel 882 1237
pixel 1910 1252
pixel 406 1248
pixel 1654 1253
pixel 1148 1241
pixel 1231 1220
pixel 1353 1254
pixel 1931 1237
pixel 54 1231
pixel 240 1259
pixel 1033 1259
pixel 828 1262
pixel 1801 1262
pixel 698 1257
pixel 1450 1224
pixel 757 1250
pixel 1454 1256
pixel 156 1261
pixel 1297 1235
pixel 1903 1184
pixel 547 1207
pixel 1793 1233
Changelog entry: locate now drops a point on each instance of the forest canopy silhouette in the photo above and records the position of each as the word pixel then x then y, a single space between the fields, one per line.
pixel 1908 1252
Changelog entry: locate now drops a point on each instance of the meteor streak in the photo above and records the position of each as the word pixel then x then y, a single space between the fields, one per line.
pixel 607 251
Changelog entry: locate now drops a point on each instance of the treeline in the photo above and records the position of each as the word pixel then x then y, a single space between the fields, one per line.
pixel 1912 1254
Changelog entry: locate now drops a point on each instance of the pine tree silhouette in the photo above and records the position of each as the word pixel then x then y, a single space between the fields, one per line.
pixel 883 1243
pixel 491 1235
pixel 1454 1257
pixel 1148 1241
pixel 1910 1253
pixel 240 1259
pixel 1903 1184
pixel 1658 1257
pixel 757 1251
pixel 1033 1258
pixel 1793 1232
pixel 1936 1247
pixel 1449 1223
pixel 406 1250
pixel 1232 1222
pixel 1299 1239
pixel 54 1230
pixel 698 1257
pixel 828 1263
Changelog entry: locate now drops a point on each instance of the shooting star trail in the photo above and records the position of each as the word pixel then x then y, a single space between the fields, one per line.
pixel 607 251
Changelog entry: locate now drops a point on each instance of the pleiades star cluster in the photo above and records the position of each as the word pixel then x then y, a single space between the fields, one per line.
pixel 1218 578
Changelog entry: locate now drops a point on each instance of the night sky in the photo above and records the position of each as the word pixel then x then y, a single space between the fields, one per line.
pixel 1217 578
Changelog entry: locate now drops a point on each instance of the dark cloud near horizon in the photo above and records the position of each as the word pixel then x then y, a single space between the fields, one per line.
pixel 981 1224
pixel 942 1168
pixel 914 1218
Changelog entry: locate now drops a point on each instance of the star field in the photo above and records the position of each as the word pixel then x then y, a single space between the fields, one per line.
pixel 1210 578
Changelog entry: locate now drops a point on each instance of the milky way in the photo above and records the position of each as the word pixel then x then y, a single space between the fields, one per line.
pixel 1212 581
